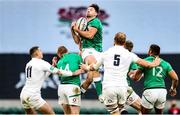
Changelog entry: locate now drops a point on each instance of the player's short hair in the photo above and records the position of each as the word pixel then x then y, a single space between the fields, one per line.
pixel 120 38
pixel 96 7
pixel 155 49
pixel 33 50
pixel 129 45
pixel 62 50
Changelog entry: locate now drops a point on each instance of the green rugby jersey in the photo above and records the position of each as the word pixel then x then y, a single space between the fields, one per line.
pixel 71 62
pixel 154 77
pixel 96 42
pixel 133 66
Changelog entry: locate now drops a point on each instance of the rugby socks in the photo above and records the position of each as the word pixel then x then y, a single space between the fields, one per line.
pixel 98 84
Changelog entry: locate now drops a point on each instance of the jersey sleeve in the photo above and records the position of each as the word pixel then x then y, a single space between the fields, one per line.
pixel 169 68
pixel 134 57
pixel 47 67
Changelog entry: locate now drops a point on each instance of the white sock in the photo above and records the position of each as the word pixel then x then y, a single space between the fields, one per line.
pixel 83 90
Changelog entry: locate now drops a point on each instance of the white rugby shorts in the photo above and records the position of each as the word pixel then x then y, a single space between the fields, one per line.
pixel 154 98
pixel 114 96
pixel 90 51
pixel 31 100
pixel 69 94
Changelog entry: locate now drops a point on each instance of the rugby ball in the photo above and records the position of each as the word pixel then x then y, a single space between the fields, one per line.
pixel 82 24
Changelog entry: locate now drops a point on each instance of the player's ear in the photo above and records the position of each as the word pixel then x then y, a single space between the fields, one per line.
pixel 149 52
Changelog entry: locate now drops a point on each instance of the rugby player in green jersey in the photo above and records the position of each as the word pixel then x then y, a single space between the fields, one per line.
pixel 69 88
pixel 90 42
pixel 154 95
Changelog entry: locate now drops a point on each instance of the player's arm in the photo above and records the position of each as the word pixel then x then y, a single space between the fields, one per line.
pixel 137 75
pixel 89 34
pixel 175 81
pixel 74 35
pixel 145 63
pixel 51 69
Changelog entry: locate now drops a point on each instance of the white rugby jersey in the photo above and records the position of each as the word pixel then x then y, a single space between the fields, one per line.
pixel 37 70
pixel 116 62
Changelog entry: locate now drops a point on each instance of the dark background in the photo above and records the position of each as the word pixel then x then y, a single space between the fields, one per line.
pixel 11 65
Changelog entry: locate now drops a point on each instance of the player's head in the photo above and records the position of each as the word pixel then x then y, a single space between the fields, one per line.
pixel 61 50
pixel 129 45
pixel 120 38
pixel 92 10
pixel 35 52
pixel 154 50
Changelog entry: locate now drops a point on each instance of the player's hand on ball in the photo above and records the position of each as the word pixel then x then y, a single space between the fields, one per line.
pixel 73 24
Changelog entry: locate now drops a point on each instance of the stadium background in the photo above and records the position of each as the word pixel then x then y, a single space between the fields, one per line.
pixel 25 23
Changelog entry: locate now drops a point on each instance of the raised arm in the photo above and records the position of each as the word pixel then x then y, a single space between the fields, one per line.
pixel 74 35
pixel 89 34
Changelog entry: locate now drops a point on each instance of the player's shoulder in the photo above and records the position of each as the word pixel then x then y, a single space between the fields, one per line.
pixel 95 21
pixel 73 54
pixel 164 62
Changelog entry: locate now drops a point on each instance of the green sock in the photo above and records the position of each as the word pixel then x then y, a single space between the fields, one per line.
pixel 98 85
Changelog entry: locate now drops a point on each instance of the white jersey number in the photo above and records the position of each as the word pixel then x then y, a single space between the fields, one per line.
pixel 157 71
pixel 66 67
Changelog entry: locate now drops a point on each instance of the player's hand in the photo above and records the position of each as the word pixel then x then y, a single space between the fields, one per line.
pixel 131 74
pixel 172 92
pixel 75 27
pixel 84 67
pixel 78 72
pixel 54 61
pixel 156 61
pixel 73 24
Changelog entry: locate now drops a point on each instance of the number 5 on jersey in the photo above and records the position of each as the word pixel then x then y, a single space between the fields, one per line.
pixel 116 60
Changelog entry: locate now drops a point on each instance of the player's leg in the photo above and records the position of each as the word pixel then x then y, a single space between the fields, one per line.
pixel 46 109
pixel 137 105
pixel 24 97
pixel 122 109
pixel 89 56
pixel 111 100
pixel 160 103
pixel 87 82
pixel 148 99
pixel 66 109
pixel 30 111
pixel 74 109
pixel 145 110
pixel 73 98
pixel 158 111
pixel 62 100
pixel 134 100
